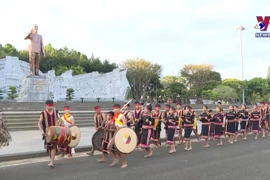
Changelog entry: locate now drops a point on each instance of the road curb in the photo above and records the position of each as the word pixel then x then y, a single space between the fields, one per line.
pixel 38 154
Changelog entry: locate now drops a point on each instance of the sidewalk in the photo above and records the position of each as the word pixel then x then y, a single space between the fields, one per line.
pixel 29 144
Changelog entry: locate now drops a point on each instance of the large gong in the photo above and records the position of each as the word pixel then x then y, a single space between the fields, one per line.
pixel 97 140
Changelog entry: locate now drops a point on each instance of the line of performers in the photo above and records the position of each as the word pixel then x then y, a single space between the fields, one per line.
pixel 147 123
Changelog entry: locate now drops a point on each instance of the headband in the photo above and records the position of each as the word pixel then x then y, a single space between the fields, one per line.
pixel 97 108
pixel 67 108
pixel 116 106
pixel 49 105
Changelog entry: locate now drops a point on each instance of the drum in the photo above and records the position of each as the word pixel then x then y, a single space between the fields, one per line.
pixel 58 135
pixel 75 136
pixel 125 140
pixel 97 140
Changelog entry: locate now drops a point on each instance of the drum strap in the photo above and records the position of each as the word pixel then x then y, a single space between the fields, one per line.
pixel 46 119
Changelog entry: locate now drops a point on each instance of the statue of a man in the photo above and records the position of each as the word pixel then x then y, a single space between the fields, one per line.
pixel 35 48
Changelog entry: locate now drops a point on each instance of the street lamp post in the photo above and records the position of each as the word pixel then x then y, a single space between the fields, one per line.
pixel 241 29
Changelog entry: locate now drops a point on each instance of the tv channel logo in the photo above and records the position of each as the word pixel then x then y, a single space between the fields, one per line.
pixel 262 25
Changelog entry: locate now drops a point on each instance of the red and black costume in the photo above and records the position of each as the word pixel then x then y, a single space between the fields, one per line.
pixel 49 119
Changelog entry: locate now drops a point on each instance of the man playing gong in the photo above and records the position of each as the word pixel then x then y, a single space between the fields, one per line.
pixel 49 117
pixel 35 48
pixel 99 119
pixel 120 121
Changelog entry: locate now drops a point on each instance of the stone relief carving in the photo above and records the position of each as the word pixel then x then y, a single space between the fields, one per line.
pixel 88 86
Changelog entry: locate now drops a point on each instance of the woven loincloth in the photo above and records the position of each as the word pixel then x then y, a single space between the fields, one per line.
pixel 5 137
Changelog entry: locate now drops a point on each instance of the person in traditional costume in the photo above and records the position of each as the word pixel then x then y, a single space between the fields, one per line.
pixel 243 117
pixel 137 114
pixel 99 119
pixel 67 120
pixel 5 137
pixel 165 114
pixel 179 113
pixel 120 122
pixel 147 128
pixel 195 128
pixel 218 123
pixel 264 124
pixel 156 114
pixel 109 129
pixel 188 118
pixel 231 117
pixel 205 118
pixel 172 121
pixel 267 118
pixel 129 116
pixel 235 108
pixel 49 117
pixel 255 118
pixel 212 125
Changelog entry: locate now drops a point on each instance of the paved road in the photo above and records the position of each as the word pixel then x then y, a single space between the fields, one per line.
pixel 245 160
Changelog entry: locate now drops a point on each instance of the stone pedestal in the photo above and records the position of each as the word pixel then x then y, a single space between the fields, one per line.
pixel 34 89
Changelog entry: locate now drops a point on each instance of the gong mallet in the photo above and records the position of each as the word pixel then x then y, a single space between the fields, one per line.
pixel 125 105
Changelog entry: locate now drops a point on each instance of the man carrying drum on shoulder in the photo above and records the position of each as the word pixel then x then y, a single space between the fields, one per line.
pixel 67 121
pixel 99 119
pixel 49 117
pixel 120 122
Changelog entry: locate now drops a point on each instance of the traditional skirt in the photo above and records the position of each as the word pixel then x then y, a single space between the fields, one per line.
pixel 107 138
pixel 205 130
pixel 49 146
pixel 171 132
pixel 230 129
pixel 212 129
pixel 187 134
pixel 146 137
pixel 243 124
pixel 255 125
pixel 138 133
pixel 156 135
pixel 218 129
pixel 236 127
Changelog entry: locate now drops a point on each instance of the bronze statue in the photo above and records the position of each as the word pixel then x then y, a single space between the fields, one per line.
pixel 35 48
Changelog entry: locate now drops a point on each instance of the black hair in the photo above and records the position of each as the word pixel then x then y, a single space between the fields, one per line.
pixel 205 106
pixel 128 105
pixel 111 113
pixel 49 102
pixel 149 107
pixel 173 108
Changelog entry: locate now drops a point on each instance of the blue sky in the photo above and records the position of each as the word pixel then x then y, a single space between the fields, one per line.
pixel 171 33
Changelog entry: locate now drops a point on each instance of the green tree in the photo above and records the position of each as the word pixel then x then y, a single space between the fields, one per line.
pixel 197 77
pixel 140 72
pixel 70 94
pixel 257 89
pixel 12 93
pixel 1 94
pixel 225 93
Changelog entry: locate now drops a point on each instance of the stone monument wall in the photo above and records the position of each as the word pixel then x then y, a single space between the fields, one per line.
pixel 88 86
